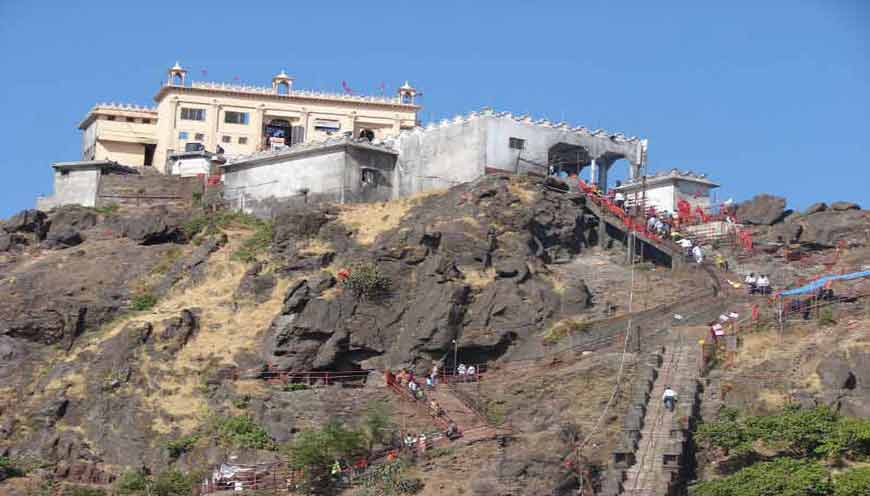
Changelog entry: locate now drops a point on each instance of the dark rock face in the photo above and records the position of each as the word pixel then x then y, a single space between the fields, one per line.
pixel 29 221
pixel 846 382
pixel 255 285
pixel 60 238
pixel 117 363
pixel 9 242
pixel 841 206
pixel 430 304
pixel 295 224
pixel 829 227
pixel 762 209
pixel 177 331
pixel 192 268
pixel 155 226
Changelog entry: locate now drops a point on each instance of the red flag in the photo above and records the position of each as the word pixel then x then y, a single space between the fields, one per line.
pixel 346 88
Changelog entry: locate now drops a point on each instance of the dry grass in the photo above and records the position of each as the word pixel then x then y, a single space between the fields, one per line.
pixel 478 279
pixel 314 246
pixel 368 220
pixel 526 196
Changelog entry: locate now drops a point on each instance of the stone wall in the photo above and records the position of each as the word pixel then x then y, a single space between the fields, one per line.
pixel 146 190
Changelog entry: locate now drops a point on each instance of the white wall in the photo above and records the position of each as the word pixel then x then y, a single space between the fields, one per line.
pixel 77 187
pixel 256 189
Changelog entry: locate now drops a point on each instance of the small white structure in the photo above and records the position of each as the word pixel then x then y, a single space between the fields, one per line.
pixel 190 164
pixel 664 190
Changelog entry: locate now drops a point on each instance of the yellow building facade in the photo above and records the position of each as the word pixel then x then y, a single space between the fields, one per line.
pixel 236 119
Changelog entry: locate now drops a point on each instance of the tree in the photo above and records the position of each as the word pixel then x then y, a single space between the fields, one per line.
pixel 315 451
pixel 781 477
pixel 377 423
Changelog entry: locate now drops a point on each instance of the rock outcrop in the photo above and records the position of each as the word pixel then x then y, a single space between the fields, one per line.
pixel 762 209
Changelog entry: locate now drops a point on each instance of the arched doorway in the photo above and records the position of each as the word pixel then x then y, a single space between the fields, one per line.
pixel 565 159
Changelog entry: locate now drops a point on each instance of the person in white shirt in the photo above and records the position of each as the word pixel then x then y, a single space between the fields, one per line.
pixel 619 199
pixel 669 397
pixel 461 371
pixel 470 372
pixel 750 283
pixel 763 284
pixel 698 254
pixel 651 223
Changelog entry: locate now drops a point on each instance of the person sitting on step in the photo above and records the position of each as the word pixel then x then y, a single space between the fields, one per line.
pixel 670 398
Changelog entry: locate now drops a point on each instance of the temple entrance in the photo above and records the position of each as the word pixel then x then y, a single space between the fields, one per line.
pixel 279 132
pixel 567 160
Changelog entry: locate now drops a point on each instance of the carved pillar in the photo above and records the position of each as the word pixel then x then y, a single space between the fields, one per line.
pixel 212 139
pixel 593 172
pixel 351 123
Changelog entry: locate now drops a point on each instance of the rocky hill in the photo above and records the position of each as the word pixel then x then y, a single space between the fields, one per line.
pixel 131 339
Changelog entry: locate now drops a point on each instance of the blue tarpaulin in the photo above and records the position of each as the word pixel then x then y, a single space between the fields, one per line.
pixel 811 287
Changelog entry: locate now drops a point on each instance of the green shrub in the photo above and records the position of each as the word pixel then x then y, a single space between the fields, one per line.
pixel 314 452
pixel 242 431
pixel 780 477
pixel 366 280
pixel 173 482
pixel 143 301
pixel 194 226
pixel 826 316
pixel 563 329
pixel 855 482
pixel 257 243
pixel 131 482
pixel 9 469
pixel 180 446
pixel 377 423
pixel 107 209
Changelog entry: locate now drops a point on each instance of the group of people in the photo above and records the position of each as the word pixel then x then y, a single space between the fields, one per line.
pixel 757 284
pixel 659 224
pixel 406 379
pixel 466 374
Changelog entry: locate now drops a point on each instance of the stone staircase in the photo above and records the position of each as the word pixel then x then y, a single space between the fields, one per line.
pixel 471 424
pixel 655 452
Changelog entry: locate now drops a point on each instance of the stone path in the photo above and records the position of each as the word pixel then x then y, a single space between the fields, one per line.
pixel 469 422
pixel 649 476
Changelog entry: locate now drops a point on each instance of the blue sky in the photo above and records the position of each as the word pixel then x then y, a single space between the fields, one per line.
pixel 767 96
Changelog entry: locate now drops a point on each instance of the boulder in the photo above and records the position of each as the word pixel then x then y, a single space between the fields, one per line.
pixel 294 224
pixel 815 208
pixel 255 285
pixel 576 298
pixel 29 221
pixel 60 238
pixel 321 282
pixel 841 206
pixel 830 227
pixel 191 268
pixel 177 331
pixel 763 209
pixel 11 241
pixel 151 227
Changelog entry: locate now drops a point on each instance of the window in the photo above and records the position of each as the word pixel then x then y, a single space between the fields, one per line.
pixel 64 172
pixel 517 143
pixel 110 117
pixel 226 139
pixel 131 119
pixel 182 135
pixel 326 125
pixel 243 140
pixel 199 137
pixel 231 117
pixel 368 176
pixel 146 121
pixel 192 114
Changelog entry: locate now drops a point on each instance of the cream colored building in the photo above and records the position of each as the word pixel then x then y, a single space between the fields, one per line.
pixel 239 119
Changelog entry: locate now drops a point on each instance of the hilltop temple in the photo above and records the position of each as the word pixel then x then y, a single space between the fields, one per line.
pixel 205 116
